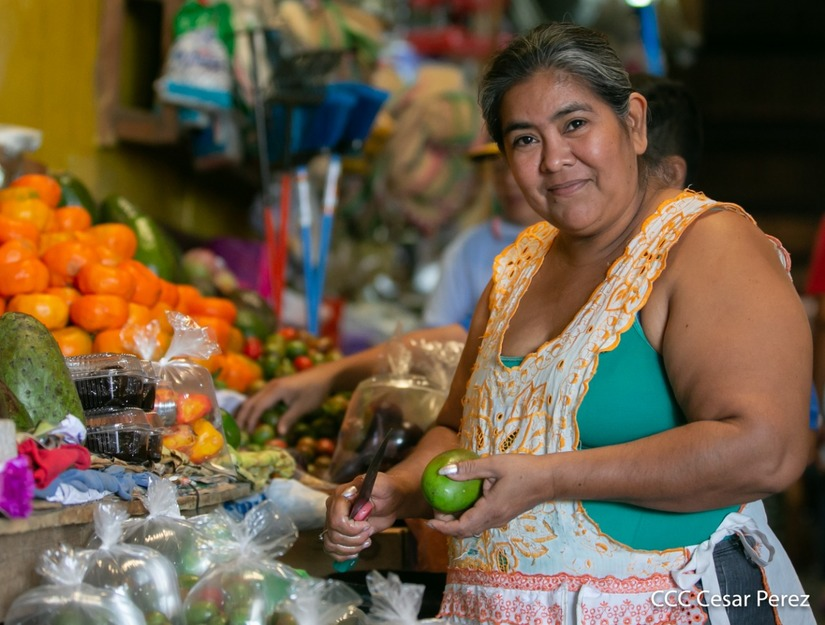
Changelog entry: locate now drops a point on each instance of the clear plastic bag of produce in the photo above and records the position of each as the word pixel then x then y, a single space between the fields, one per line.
pixel 141 573
pixel 247 582
pixel 165 530
pixel 185 396
pixel 400 401
pixel 322 602
pixel 65 598
pixel 393 602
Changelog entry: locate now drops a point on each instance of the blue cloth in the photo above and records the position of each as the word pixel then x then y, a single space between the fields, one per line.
pixel 466 269
pixel 114 479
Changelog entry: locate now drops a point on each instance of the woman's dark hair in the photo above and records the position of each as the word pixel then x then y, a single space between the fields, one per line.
pixel 578 51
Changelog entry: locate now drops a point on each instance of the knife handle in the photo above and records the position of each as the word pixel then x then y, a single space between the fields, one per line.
pixel 344 566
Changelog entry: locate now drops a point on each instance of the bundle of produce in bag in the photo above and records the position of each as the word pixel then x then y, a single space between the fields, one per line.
pixel 247 582
pixel 322 602
pixel 141 573
pixel 393 602
pixel 165 530
pixel 185 398
pixel 65 598
pixel 400 401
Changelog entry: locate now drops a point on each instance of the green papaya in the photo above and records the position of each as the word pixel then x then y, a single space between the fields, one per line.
pixel 75 193
pixel 156 249
pixel 33 367
pixel 11 408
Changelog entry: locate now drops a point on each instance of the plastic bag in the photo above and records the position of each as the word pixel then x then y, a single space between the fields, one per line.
pixel 66 599
pixel 165 530
pixel 186 397
pixel 141 573
pixel 248 582
pixel 399 401
pixel 323 602
pixel 393 602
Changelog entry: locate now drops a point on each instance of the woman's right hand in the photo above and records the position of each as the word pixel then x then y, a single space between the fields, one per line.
pixel 345 538
pixel 302 393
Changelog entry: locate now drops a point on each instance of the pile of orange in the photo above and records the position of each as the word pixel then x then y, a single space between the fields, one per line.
pixel 81 281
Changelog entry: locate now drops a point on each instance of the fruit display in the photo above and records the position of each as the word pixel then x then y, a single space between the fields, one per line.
pixel 445 494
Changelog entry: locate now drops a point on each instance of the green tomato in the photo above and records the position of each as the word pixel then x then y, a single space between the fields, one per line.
pixel 201 611
pixel 296 348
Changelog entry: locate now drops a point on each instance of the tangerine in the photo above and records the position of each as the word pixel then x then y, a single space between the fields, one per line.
pixel 67 293
pixel 33 210
pixel 48 239
pixel 73 341
pixel 28 275
pixel 110 341
pixel 17 249
pixel 47 188
pixel 95 277
pixel 214 307
pixel 69 219
pixel 65 259
pixel 187 294
pixel 147 283
pixel 95 313
pixel 17 229
pixel 117 237
pixel 50 310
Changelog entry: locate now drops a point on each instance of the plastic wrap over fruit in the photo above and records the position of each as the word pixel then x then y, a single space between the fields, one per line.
pixel 394 603
pixel 143 574
pixel 322 602
pixel 248 582
pixel 165 530
pixel 66 599
pixel 186 393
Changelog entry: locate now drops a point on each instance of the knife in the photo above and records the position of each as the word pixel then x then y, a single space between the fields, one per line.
pixel 363 497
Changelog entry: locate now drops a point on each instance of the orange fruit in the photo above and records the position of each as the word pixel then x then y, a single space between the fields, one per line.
pixel 219 329
pixel 214 307
pixel 67 293
pixel 147 283
pixel 187 294
pixel 28 275
pixel 69 219
pixel 50 310
pixel 95 313
pixel 159 312
pixel 109 341
pixel 16 194
pixel 65 259
pixel 17 249
pixel 48 239
pixel 169 293
pixel 33 210
pixel 119 238
pixel 46 187
pixel 238 371
pixel 73 341
pixel 17 229
pixel 95 277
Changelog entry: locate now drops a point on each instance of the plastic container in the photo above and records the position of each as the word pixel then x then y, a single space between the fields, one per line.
pixel 128 435
pixel 112 382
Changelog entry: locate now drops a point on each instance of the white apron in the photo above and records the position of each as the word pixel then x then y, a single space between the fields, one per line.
pixel 552 565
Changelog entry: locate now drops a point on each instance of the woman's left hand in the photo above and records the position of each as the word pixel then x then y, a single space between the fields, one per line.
pixel 513 484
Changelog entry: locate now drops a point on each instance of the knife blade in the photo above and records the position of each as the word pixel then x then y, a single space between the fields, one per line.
pixel 364 494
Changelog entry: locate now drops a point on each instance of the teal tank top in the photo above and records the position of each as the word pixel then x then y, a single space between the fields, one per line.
pixel 629 397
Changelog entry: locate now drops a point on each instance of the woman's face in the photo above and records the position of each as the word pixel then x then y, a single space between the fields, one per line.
pixel 573 158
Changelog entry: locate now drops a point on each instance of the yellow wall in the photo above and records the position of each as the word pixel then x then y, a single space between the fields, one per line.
pixel 48 56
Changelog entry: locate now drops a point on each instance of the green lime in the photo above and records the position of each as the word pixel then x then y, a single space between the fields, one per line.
pixel 270 361
pixel 296 348
pixel 231 431
pixel 444 494
pixel 262 433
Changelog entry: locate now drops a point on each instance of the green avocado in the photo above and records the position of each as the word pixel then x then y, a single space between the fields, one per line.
pixel 75 193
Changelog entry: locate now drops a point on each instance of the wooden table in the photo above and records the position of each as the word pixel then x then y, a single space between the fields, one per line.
pixel 23 540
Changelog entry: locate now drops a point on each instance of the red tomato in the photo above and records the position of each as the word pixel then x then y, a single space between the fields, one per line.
pixel 302 362
pixel 324 446
pixel 253 347
pixel 288 333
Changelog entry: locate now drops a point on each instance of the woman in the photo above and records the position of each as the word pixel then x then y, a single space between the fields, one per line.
pixel 636 378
